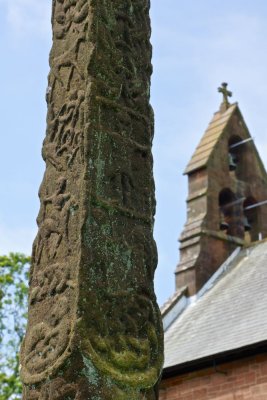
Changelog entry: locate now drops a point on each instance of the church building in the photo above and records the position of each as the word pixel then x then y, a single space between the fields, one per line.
pixel 216 322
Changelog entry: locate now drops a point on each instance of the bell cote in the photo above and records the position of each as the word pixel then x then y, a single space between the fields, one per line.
pixel 227 197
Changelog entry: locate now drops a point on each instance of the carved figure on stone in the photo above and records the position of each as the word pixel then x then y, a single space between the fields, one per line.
pixel 122 186
pixel 53 280
pixel 123 340
pixel 55 222
pixel 67 59
pixel 70 111
pixel 64 134
pixel 62 21
pixel 72 143
pixel 81 11
pixel 70 20
pixel 58 389
pixel 47 340
pixel 66 13
pixel 54 132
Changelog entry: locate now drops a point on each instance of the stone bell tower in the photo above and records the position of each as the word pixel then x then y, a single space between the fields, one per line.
pixel 226 205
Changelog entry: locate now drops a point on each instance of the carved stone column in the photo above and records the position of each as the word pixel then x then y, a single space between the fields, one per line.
pixel 94 329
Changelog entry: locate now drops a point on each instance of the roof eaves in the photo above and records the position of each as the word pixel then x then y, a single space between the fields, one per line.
pixel 215 360
pixel 173 307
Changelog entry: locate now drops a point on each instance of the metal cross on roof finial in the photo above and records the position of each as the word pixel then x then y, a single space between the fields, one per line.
pixel 226 93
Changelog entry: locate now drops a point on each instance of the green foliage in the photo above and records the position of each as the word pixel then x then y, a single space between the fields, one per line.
pixel 14 270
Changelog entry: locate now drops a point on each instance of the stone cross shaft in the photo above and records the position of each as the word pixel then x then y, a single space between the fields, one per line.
pixel 94 328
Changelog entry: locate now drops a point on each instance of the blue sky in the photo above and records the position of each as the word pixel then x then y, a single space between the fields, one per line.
pixel 197 45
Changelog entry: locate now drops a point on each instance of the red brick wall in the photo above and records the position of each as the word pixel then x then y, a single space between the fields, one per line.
pixel 239 380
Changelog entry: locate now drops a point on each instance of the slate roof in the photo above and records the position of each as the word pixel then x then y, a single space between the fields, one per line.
pixel 210 139
pixel 230 315
pixel 172 301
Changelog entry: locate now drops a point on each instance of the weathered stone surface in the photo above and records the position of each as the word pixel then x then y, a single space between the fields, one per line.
pixel 94 329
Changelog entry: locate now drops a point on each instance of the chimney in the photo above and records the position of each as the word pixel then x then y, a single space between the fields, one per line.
pixel 227 199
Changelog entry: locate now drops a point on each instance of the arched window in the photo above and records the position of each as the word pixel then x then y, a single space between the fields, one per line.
pixel 234 152
pixel 251 218
pixel 239 156
pixel 227 201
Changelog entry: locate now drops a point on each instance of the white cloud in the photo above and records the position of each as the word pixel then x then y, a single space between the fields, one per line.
pixel 28 16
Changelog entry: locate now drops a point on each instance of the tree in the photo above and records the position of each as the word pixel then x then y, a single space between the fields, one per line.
pixel 14 270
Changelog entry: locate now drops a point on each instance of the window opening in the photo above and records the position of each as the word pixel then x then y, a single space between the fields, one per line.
pixel 234 152
pixel 251 219
pixel 227 201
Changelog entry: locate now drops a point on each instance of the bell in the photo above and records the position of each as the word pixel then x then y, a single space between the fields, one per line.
pixel 246 224
pixel 232 162
pixel 224 225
